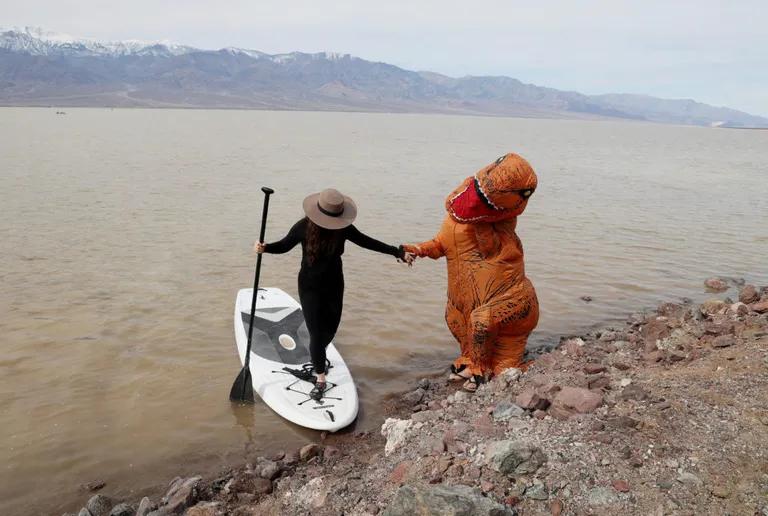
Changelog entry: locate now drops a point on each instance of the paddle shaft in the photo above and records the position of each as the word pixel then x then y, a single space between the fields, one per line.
pixel 267 192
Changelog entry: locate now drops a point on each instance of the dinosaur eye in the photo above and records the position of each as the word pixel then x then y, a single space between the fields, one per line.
pixel 499 160
pixel 526 193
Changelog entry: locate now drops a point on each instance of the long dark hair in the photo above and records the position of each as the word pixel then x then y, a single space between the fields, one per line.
pixel 320 241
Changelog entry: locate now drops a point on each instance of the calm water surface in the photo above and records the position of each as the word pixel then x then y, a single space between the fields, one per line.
pixel 126 233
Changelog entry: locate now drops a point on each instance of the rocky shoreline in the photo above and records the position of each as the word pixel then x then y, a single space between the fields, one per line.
pixel 667 414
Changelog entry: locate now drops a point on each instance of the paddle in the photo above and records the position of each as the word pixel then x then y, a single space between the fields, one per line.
pixel 242 389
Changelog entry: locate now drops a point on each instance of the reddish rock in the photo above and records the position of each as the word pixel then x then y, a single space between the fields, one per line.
pixel 539 414
pixel 399 473
pixel 556 508
pixel 716 284
pixel 654 331
pixel 621 486
pixel 561 413
pixel 600 382
pixel 308 451
pixel 486 486
pixel 621 366
pixel 291 458
pixel 712 307
pixel 749 294
pixel 578 399
pixel 277 456
pixel 527 398
pixel 654 356
pixel 760 307
pixel 670 310
pixel 594 368
pixel 574 347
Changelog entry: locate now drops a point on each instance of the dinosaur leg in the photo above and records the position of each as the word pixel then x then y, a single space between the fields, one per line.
pixel 458 327
pixel 500 329
pixel 523 315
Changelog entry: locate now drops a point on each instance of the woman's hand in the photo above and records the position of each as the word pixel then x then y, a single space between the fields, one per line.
pixel 409 258
pixel 258 247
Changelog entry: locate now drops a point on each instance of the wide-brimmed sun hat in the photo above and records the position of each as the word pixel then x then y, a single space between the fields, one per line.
pixel 330 209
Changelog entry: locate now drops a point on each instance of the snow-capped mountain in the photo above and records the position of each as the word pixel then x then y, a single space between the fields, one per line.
pixel 36 41
pixel 41 68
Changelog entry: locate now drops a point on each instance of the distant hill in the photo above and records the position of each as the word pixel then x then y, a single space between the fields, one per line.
pixel 40 69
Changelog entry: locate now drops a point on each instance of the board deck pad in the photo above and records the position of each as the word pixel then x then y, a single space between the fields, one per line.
pixel 266 334
pixel 282 377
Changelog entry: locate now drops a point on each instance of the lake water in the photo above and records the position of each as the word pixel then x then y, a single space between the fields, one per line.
pixel 126 233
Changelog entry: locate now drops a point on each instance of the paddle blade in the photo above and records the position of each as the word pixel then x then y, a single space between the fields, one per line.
pixel 242 389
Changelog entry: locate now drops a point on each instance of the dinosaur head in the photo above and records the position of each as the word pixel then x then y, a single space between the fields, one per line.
pixel 497 192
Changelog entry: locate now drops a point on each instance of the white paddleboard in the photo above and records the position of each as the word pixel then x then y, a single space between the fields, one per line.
pixel 281 340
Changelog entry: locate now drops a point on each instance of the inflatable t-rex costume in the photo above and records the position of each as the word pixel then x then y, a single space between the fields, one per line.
pixel 492 306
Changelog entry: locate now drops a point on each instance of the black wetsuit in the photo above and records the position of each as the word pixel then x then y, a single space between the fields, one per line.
pixel 321 283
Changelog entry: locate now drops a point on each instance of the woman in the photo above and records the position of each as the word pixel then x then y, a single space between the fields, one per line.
pixel 322 234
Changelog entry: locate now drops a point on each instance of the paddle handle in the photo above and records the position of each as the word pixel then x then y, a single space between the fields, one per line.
pixel 267 192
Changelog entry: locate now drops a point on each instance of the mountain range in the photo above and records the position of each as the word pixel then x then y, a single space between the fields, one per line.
pixel 39 68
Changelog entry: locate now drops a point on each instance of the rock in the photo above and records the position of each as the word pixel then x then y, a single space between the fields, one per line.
pixel 739 309
pixel 441 500
pixel 573 346
pixel 602 496
pixel 424 416
pixel 269 470
pixel 414 397
pixel 716 284
pixel 425 384
pixel 84 512
pixel 760 307
pixel 623 422
pixel 527 399
pixel 182 494
pixel 308 451
pixel 291 458
pixel 313 495
pixel 538 491
pixel 621 486
pixel 400 473
pixel 122 509
pixel 621 366
pixel 586 299
pixel 509 376
pixel 581 400
pixel 205 509
pixel 486 486
pixel 514 457
pixel 594 368
pixel 723 341
pixel 539 414
pixel 633 392
pixel 712 307
pixel 93 486
pixel 599 382
pixel 145 507
pixel 246 498
pixel 277 456
pixel 556 508
pixel 261 486
pixel 654 331
pixel 454 471
pixel 749 294
pixel 330 452
pixel 395 431
pixel 99 505
pixel 689 479
pixel 505 410
pixel 721 491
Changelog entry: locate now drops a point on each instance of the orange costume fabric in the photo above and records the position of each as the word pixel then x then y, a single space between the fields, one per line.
pixel 492 306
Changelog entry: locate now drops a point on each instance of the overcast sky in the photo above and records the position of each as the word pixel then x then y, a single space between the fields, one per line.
pixel 712 51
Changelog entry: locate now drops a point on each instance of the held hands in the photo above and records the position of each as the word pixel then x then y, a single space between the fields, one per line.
pixel 409 258
pixel 258 247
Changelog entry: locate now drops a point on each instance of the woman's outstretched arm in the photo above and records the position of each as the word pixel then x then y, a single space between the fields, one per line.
pixel 289 241
pixel 356 237
pixel 432 248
